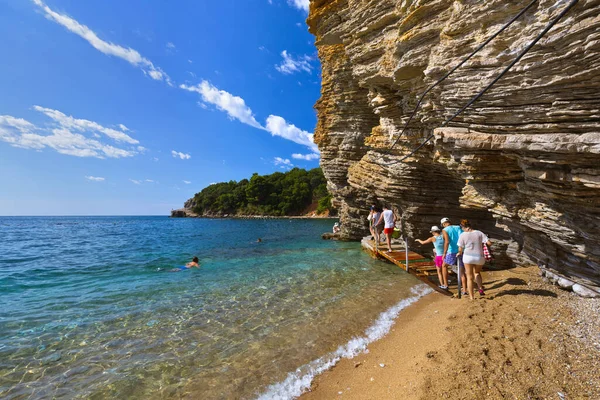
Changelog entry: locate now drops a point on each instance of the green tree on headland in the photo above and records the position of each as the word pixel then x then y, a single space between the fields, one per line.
pixel 277 194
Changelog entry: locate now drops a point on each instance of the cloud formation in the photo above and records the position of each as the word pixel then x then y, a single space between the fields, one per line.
pixel 300 4
pixel 183 156
pixel 136 182
pixel 95 178
pixel 306 157
pixel 234 106
pixel 83 125
pixel 282 162
pixel 111 49
pixel 65 135
pixel 290 65
pixel 187 182
pixel 278 126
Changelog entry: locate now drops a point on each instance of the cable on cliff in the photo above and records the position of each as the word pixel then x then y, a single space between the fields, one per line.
pixel 481 46
pixel 516 60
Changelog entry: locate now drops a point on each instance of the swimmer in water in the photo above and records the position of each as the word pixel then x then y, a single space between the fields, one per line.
pixel 192 264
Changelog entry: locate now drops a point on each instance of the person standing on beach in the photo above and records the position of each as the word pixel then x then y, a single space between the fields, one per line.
pixel 377 226
pixel 388 217
pixel 438 246
pixel 470 246
pixel 371 219
pixel 450 255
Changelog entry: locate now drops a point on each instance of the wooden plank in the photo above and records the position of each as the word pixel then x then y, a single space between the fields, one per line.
pixel 418 266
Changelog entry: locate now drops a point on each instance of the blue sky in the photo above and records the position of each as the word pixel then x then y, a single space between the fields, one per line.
pixel 111 107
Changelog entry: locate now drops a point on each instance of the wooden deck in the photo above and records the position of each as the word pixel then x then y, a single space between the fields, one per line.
pixel 418 265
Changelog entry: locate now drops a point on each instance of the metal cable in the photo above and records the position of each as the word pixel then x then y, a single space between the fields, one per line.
pixel 516 60
pixel 481 46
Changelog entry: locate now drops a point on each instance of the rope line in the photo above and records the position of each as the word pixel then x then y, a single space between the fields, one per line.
pixel 516 60
pixel 481 46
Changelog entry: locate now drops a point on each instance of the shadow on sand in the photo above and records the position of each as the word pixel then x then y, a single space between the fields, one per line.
pixel 534 292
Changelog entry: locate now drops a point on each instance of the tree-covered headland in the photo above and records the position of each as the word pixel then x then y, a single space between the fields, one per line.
pixel 278 194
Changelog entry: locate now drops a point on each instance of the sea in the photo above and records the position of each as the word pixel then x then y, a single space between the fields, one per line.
pixel 90 307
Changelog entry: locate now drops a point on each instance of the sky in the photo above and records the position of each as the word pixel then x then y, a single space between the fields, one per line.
pixel 112 107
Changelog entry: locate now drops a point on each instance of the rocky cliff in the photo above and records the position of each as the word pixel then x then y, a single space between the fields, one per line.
pixel 523 163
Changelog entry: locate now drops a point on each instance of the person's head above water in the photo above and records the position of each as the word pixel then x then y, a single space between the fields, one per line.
pixel 195 259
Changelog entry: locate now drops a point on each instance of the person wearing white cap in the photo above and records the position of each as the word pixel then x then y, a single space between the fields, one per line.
pixel 438 246
pixel 451 234
pixel 336 228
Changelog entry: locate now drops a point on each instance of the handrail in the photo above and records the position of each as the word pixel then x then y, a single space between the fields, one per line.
pixel 481 46
pixel 474 99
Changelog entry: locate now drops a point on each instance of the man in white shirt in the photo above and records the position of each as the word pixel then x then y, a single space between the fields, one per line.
pixel 389 218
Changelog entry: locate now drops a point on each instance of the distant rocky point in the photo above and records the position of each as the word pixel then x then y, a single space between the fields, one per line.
pixel 296 193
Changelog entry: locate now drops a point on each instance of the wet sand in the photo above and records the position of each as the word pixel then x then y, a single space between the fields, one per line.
pixel 525 339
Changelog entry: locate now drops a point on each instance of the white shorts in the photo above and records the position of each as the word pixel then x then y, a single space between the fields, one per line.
pixel 473 260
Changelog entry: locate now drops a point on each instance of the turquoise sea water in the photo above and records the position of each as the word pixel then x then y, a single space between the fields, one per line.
pixel 88 308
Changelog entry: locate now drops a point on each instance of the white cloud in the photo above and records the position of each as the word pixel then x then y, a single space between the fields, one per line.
pixel 278 126
pixel 64 136
pixel 282 162
pixel 234 106
pixel 111 49
pixel 187 182
pixel 123 128
pixel 83 125
pixel 154 159
pixel 149 180
pixel 300 4
pixel 290 65
pixel 95 178
pixel 170 45
pixel 237 109
pixel 306 157
pixel 183 156
pixel 135 181
pixel 190 61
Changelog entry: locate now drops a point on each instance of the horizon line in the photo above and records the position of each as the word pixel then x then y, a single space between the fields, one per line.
pixel 88 215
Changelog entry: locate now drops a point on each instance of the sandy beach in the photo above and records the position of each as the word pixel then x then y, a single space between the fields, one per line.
pixel 526 339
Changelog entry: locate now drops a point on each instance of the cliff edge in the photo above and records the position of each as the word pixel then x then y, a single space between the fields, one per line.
pixel 522 163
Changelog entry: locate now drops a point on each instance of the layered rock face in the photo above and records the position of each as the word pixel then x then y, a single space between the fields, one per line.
pixel 522 164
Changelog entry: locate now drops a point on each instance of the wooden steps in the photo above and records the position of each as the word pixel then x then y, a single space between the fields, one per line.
pixel 418 265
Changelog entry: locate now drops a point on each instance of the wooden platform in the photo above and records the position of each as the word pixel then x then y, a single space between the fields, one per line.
pixel 419 266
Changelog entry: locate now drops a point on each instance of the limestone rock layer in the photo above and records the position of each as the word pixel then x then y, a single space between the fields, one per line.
pixel 522 164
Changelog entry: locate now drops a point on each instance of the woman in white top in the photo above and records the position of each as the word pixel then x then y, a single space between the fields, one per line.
pixel 470 247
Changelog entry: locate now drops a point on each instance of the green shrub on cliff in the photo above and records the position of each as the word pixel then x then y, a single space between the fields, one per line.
pixel 277 194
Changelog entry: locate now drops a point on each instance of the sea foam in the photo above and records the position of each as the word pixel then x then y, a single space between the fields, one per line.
pixel 299 381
